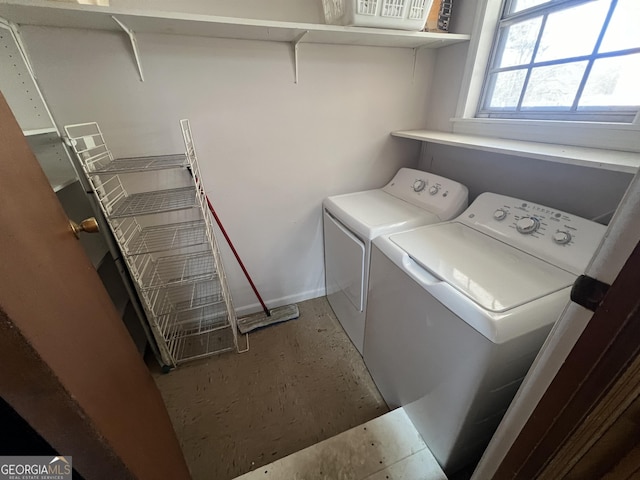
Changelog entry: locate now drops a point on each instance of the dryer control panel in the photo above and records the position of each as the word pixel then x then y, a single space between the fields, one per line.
pixel 441 196
pixel 560 238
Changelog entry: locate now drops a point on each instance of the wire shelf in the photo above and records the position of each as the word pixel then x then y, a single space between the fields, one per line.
pixel 194 322
pixel 177 269
pixel 165 237
pixel 138 164
pixel 192 347
pixel 155 202
pixel 182 297
pixel 193 319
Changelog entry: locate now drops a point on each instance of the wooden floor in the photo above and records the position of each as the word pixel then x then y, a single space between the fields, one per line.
pixel 302 382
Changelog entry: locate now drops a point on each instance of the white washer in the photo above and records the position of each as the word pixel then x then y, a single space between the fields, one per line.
pixel 412 198
pixel 458 311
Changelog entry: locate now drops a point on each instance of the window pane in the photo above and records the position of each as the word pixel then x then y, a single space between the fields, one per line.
pixel 544 62
pixel 613 82
pixel 624 29
pixel 519 5
pixel 507 88
pixel 554 86
pixel 572 32
pixel 521 38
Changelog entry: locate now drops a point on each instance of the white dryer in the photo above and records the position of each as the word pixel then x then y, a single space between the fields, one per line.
pixel 458 311
pixel 412 198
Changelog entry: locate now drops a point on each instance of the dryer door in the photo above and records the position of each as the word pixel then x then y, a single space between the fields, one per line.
pixel 344 258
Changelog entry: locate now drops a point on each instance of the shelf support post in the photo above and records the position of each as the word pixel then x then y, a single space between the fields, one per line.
pixel 13 28
pixel 134 45
pixel 294 45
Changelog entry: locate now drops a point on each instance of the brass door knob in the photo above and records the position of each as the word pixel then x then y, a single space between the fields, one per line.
pixel 89 225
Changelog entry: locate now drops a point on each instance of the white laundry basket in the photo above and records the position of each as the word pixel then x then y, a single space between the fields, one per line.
pixel 398 14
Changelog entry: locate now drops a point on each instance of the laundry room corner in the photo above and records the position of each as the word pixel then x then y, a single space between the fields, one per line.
pixel 265 174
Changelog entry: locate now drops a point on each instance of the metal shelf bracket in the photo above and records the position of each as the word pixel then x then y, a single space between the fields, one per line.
pixel 134 45
pixel 415 61
pixel 294 45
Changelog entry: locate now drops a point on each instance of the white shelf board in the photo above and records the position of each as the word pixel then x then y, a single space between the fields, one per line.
pixel 614 160
pixel 62 183
pixel 40 131
pixel 59 14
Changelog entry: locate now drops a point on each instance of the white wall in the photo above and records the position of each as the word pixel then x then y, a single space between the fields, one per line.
pixel 588 192
pixel 449 68
pixel 270 150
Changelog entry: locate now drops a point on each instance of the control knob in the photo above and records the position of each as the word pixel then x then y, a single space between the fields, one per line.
pixel 500 214
pixel 419 185
pixel 434 189
pixel 527 225
pixel 562 237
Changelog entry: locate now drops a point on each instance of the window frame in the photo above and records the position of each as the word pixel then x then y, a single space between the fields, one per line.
pixel 604 135
pixel 622 114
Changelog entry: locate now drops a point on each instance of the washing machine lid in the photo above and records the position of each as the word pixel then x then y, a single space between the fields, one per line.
pixel 496 276
pixel 375 212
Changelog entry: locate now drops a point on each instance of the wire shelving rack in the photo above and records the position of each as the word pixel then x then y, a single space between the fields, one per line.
pixel 175 264
pixel 157 238
pixel 136 164
pixel 146 203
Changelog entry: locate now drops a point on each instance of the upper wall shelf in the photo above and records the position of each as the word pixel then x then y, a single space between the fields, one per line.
pixel 613 160
pixel 59 14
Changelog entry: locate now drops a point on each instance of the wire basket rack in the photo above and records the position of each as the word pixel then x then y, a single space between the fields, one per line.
pixel 176 269
pixel 175 264
pixel 396 14
pixel 191 310
pixel 137 240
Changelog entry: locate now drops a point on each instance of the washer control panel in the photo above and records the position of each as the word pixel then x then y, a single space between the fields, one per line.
pixel 444 197
pixel 561 238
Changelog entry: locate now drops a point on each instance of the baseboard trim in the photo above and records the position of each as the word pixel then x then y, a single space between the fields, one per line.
pixel 278 302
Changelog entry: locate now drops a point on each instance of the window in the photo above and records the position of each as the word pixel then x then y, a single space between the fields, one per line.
pixel 565 60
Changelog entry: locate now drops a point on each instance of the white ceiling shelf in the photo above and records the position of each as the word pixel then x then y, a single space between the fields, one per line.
pixel 614 160
pixel 59 14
